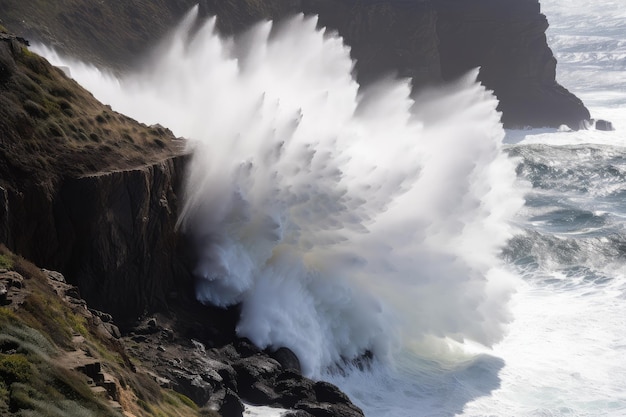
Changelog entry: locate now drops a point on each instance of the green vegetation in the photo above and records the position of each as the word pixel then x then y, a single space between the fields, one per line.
pixel 36 378
pixel 54 128
pixel 5 262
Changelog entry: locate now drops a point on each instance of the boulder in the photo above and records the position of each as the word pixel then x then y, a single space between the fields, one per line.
pixel 604 125
pixel 287 359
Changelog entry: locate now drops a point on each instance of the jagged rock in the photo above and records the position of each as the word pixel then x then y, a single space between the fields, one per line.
pixel 231 405
pixel 113 330
pixel 54 275
pixel 253 369
pixel 329 393
pixel 194 387
pixel 258 393
pixel 105 317
pixel 292 388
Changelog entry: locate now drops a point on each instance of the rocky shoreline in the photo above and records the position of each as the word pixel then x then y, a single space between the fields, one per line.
pixel 177 356
pixel 95 195
pixel 112 231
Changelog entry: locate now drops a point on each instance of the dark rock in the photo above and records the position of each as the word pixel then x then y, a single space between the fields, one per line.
pixel 140 338
pixel 255 376
pixel 329 393
pixel 105 317
pixel 506 39
pixel 604 125
pixel 293 390
pixel 386 38
pixel 258 393
pixel 113 330
pixel 231 405
pixel 194 387
pixel 246 348
pixel 3 294
pixel 93 370
pixel 287 359
pixel 54 275
pixel 73 292
pixel 7 63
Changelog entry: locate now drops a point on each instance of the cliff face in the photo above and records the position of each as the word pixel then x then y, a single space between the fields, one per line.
pixel 85 190
pixel 506 38
pixel 119 236
pixel 429 40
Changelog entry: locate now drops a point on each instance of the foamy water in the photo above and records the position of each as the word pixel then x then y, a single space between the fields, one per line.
pixel 348 220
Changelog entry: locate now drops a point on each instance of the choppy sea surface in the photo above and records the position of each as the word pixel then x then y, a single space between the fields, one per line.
pixel 486 270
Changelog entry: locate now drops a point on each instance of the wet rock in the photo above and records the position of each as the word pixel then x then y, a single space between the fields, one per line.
pixel 604 125
pixel 246 348
pixel 255 368
pixel 231 405
pixel 293 389
pixel 258 393
pixel 287 359
pixel 329 393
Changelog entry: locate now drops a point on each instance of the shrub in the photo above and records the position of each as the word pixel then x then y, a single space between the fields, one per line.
pixel 6 262
pixel 14 368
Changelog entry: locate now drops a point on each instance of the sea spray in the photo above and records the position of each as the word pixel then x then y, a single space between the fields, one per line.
pixel 344 219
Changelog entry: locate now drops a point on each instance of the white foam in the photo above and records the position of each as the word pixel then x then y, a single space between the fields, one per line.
pixel 345 220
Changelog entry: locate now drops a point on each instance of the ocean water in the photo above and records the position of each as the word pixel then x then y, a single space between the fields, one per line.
pixel 484 269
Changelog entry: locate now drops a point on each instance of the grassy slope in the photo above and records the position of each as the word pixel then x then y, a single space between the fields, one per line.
pixel 51 127
pixel 37 331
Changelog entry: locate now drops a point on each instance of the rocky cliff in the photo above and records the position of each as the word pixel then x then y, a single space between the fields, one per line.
pixel 430 41
pixel 506 39
pixel 94 194
pixel 85 190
